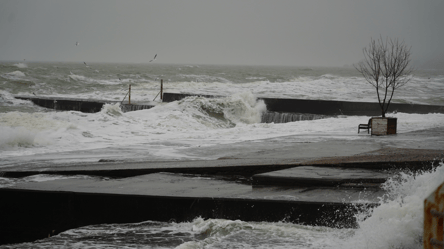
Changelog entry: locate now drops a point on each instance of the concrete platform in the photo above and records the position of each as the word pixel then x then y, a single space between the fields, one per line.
pixel 320 176
pixel 38 209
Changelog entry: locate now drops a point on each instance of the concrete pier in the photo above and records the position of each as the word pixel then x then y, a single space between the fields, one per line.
pixel 319 107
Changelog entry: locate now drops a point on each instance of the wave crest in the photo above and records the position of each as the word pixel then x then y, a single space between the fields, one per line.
pixel 16 74
pixel 21 65
pixel 241 108
pixel 398 221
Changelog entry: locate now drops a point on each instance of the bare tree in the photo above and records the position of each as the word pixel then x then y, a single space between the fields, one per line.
pixel 385 67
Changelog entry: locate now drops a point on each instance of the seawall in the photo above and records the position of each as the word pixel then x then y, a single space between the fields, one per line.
pixel 274 105
pixel 53 212
pixel 81 105
pixel 326 107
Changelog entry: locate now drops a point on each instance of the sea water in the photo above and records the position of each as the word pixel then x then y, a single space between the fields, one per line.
pixel 30 134
pixel 181 130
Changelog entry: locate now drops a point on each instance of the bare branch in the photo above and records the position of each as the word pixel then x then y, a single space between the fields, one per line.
pixel 385 67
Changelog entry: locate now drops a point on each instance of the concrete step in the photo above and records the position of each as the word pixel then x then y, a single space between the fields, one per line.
pixel 36 209
pixel 310 176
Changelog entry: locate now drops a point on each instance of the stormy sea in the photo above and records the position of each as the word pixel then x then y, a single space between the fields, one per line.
pixel 185 129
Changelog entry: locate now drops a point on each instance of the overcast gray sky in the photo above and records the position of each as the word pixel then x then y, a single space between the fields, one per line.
pixel 300 33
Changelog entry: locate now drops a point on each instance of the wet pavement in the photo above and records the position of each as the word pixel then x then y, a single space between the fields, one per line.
pixel 319 176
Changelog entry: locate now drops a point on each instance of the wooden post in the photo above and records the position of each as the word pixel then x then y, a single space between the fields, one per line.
pixel 129 95
pixel 161 89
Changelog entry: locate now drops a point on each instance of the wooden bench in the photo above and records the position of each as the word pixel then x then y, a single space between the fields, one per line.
pixel 365 126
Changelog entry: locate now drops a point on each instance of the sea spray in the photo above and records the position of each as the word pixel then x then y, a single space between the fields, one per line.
pixel 16 137
pixel 398 221
pixel 244 108
pixel 18 129
pixel 112 109
pixel 17 74
pixel 21 65
pixel 200 113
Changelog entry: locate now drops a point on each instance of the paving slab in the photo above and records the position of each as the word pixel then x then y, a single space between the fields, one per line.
pixel 319 176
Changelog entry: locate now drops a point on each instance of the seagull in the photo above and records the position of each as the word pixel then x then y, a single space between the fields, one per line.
pixel 77 43
pixel 154 58
pixel 85 63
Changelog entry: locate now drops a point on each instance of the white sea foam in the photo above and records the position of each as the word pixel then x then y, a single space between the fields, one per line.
pixel 84 79
pixel 16 74
pixel 34 131
pixel 21 65
pixel 10 182
pixel 77 77
pixel 199 113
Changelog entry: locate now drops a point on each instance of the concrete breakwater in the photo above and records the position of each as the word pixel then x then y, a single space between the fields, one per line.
pixel 92 106
pixel 67 104
pixel 81 105
pixel 278 110
pixel 326 107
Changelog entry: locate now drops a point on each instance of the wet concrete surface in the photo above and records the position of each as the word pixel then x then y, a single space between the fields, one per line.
pixel 319 176
pixel 188 186
pixel 250 157
pixel 34 210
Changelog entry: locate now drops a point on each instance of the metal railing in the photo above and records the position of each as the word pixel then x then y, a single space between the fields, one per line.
pixel 129 93
pixel 129 97
pixel 161 91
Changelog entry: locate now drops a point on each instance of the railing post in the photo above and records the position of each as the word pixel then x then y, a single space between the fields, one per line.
pixel 433 219
pixel 161 89
pixel 129 95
